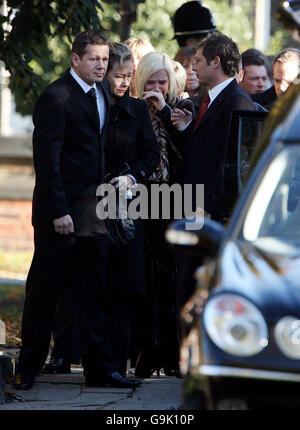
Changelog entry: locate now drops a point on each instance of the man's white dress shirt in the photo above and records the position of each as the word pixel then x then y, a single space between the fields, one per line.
pixel 100 98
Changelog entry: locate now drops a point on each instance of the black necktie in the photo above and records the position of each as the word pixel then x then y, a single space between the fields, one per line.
pixel 92 95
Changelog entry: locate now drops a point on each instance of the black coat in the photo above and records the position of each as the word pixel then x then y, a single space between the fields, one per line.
pixel 205 151
pixel 67 154
pixel 265 99
pixel 131 139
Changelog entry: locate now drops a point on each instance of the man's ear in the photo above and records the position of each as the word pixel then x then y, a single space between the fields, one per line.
pixel 217 62
pixel 240 76
pixel 75 59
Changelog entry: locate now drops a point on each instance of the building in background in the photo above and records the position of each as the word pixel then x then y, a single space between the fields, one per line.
pixel 16 172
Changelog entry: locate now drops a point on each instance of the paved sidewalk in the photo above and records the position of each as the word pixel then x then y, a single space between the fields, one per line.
pixel 68 392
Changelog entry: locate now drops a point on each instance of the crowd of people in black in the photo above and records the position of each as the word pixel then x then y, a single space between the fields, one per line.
pixel 125 114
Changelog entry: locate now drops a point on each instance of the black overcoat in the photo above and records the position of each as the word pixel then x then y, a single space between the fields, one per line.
pixel 131 140
pixel 67 154
pixel 266 98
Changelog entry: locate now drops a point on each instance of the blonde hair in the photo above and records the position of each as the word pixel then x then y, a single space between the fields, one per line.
pixel 150 64
pixel 180 76
pixel 139 47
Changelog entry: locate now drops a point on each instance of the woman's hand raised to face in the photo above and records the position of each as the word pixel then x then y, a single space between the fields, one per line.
pixel 156 98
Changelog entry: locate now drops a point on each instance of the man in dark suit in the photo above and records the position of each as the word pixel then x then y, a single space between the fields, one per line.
pixel 70 120
pixel 216 63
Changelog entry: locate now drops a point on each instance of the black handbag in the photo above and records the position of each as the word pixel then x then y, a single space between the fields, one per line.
pixel 120 230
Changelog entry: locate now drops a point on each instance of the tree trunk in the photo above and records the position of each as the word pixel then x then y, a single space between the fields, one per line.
pixel 128 15
pixel 262 24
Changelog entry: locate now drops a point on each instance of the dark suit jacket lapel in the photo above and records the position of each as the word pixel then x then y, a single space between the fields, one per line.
pixel 105 89
pixel 79 97
pixel 213 108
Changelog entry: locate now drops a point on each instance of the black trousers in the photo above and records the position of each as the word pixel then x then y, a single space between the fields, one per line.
pixel 126 281
pixel 65 330
pixel 157 318
pixel 84 259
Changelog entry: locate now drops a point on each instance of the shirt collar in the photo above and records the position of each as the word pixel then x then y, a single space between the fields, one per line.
pixel 215 91
pixel 86 87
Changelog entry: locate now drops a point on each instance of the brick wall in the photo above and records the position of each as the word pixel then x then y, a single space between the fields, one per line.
pixel 16 232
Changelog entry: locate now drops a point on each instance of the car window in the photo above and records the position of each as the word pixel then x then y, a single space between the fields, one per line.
pixel 245 128
pixel 250 130
pixel 275 207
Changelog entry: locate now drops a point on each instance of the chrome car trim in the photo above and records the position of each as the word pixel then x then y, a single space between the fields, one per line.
pixel 238 372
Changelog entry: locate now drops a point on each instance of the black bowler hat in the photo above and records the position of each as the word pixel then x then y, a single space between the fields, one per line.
pixel 192 19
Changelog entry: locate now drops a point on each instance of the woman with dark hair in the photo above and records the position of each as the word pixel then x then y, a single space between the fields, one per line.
pixel 131 155
pixel 195 91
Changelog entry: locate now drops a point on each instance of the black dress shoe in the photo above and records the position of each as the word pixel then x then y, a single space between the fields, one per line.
pixel 23 382
pixel 114 380
pixel 57 365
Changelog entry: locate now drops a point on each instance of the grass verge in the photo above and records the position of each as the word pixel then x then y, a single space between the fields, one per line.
pixel 15 262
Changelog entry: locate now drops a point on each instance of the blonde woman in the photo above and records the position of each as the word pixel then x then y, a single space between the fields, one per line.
pixel 139 48
pixel 156 83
